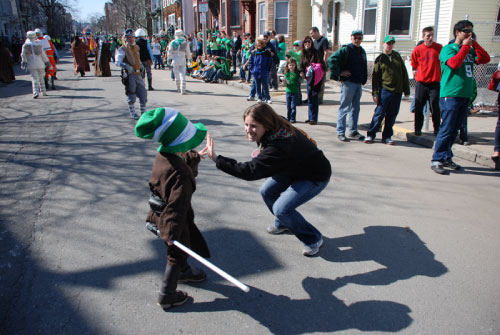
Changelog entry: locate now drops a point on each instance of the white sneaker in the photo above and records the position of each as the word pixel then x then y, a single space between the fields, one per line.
pixel 259 100
pixel 310 250
pixel 269 101
pixel 250 99
pixel 368 139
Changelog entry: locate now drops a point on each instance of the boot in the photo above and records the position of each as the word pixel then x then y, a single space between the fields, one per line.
pixel 192 274
pixel 150 84
pixel 52 83
pixel 46 81
pixel 169 296
pixel 133 114
pixel 143 108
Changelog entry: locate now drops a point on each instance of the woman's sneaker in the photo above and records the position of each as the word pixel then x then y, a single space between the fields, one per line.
pixel 312 249
pixel 176 298
pixel 250 99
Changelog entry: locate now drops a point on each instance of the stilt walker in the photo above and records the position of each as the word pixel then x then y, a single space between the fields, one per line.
pixel 34 58
pixel 178 52
pixel 129 60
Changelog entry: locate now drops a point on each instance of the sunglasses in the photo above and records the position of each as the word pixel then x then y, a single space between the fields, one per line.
pixel 308 41
pixel 467 31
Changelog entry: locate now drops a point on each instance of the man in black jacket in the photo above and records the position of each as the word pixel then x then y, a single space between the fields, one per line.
pixel 235 50
pixel 146 55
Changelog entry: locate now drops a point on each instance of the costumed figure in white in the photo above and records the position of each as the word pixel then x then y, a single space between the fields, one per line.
pixel 34 58
pixel 129 60
pixel 178 52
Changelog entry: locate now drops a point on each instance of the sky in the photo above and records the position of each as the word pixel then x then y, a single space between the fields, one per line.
pixel 88 7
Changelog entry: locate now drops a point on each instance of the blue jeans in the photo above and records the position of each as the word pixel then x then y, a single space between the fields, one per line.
pixel 290 106
pixel 388 108
pixel 158 61
pixel 313 104
pixel 283 195
pixel 453 111
pixel 261 87
pixel 350 95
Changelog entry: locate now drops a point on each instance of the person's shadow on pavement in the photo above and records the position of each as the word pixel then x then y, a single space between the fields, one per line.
pixel 321 312
pixel 399 250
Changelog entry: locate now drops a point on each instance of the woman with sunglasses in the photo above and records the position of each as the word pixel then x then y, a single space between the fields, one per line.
pixel 310 56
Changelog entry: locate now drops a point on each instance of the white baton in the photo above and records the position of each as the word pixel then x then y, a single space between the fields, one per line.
pixel 212 267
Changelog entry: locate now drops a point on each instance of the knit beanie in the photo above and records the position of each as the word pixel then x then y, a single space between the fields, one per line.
pixel 170 128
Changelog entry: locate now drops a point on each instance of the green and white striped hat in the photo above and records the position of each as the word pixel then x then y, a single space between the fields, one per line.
pixel 172 129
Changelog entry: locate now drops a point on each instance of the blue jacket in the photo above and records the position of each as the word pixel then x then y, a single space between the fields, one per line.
pixel 260 63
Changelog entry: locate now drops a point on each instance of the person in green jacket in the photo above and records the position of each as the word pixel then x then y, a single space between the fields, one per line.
pixel 349 65
pixel 389 82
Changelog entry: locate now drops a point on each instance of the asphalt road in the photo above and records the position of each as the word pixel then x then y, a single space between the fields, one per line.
pixel 406 251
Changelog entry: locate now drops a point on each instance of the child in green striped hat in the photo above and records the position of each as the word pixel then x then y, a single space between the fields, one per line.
pixel 173 180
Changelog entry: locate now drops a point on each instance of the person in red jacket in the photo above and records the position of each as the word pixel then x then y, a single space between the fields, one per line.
pixel 427 72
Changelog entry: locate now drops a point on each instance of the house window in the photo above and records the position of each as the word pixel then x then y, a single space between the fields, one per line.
pixel 400 17
pixel 235 12
pixel 164 3
pixel 223 12
pixel 262 18
pixel 281 17
pixel 497 26
pixel 370 17
pixel 171 20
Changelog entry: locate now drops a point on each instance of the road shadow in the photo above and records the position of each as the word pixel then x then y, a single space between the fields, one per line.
pixel 398 250
pixel 321 312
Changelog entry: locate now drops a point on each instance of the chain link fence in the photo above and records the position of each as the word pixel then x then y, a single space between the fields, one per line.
pixel 482 74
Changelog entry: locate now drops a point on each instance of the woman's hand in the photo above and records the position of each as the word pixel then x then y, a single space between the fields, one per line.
pixel 209 149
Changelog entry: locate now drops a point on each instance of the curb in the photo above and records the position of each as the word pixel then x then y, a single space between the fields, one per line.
pixel 459 151
pixel 408 135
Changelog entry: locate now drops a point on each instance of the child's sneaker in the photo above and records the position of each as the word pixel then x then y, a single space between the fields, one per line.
pixel 269 101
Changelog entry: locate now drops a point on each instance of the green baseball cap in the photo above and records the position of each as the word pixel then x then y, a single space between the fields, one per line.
pixel 389 38
pixel 357 32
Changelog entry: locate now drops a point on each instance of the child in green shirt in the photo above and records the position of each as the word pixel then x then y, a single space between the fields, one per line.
pixel 292 81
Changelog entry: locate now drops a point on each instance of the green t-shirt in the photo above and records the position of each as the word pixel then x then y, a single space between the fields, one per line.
pixel 293 82
pixel 164 45
pixel 282 52
pixel 457 83
pixel 295 55
pixel 216 45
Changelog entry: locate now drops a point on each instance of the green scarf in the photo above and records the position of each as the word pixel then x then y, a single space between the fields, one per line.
pixel 177 42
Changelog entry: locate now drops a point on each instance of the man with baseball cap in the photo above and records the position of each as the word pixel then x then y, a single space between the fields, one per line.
pixel 349 65
pixel 389 82
pixel 129 60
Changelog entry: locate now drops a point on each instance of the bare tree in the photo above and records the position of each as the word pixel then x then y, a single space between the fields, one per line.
pixel 52 8
pixel 133 12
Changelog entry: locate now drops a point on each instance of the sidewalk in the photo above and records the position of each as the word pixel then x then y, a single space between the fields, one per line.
pixel 481 125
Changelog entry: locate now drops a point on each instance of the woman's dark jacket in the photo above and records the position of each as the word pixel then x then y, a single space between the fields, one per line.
pixel 284 154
